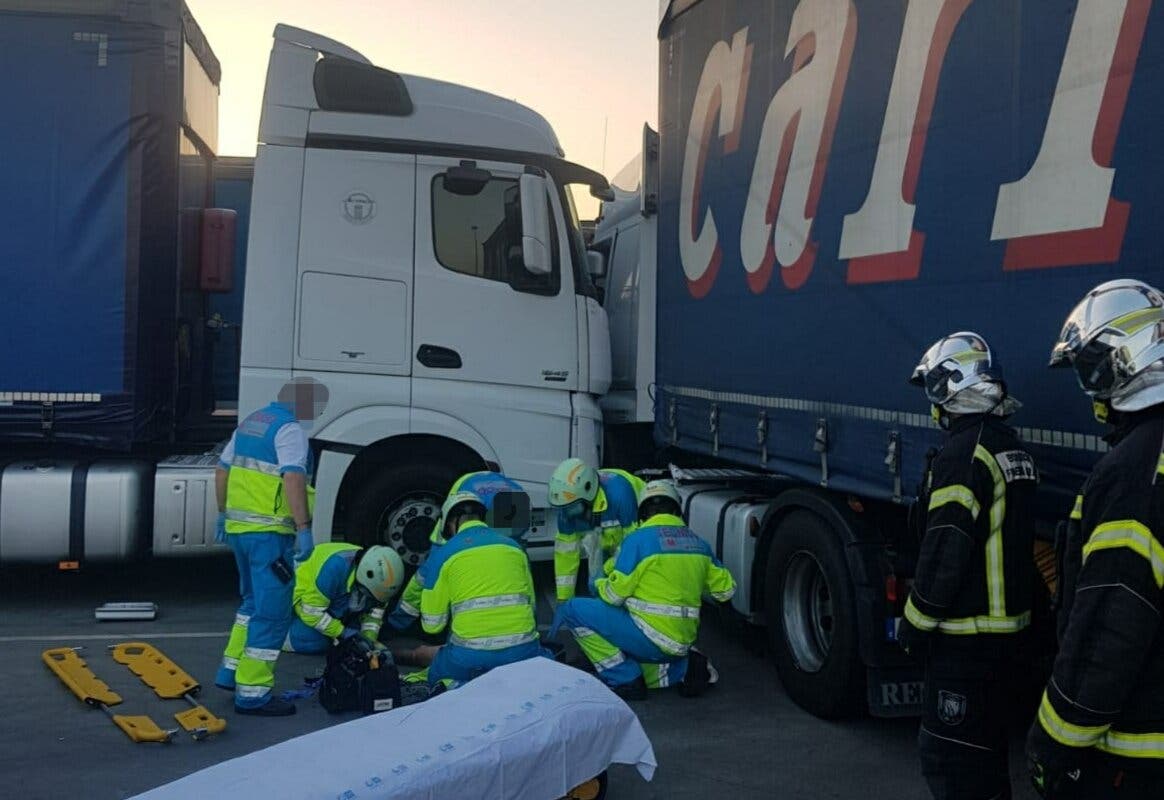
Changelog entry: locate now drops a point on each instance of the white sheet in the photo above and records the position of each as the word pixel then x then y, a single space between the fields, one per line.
pixel 527 731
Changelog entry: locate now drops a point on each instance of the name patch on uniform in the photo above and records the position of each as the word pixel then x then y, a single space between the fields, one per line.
pixel 679 539
pixel 1017 465
pixel 253 427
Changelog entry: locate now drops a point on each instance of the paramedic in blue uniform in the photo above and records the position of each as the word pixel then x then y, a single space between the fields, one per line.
pixel 265 500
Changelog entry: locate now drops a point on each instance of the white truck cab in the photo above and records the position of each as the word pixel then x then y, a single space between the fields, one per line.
pixel 414 248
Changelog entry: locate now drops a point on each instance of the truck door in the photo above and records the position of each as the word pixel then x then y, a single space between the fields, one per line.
pixel 494 345
pixel 355 266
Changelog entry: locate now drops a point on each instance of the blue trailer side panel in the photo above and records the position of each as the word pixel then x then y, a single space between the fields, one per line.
pixel 63 146
pixel 88 221
pixel 748 338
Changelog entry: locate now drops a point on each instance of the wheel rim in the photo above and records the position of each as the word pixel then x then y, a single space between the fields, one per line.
pixel 808 612
pixel 406 525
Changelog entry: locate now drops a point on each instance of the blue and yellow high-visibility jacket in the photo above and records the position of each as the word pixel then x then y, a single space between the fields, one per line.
pixel 486 485
pixel 614 515
pixel 660 575
pixel 323 584
pixel 479 584
pixel 254 489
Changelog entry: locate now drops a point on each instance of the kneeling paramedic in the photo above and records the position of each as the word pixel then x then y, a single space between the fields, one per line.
pixel 479 585
pixel 265 503
pixel 507 507
pixel 639 631
pixel 1100 727
pixel 596 509
pixel 337 583
pixel 970 605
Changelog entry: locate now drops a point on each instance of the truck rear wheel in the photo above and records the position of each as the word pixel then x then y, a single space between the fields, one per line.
pixel 810 608
pixel 398 506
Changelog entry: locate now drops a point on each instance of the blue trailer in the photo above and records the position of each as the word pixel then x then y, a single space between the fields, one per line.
pixel 109 135
pixel 120 300
pixel 841 183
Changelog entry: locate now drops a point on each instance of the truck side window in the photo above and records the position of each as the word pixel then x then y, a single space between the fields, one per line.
pixel 480 235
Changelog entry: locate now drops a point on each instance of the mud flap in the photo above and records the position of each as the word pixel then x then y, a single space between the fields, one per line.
pixel 169 682
pixel 72 670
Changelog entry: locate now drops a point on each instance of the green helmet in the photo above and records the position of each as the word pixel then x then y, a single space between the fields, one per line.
pixel 573 480
pixel 660 497
pixel 381 572
pixel 453 503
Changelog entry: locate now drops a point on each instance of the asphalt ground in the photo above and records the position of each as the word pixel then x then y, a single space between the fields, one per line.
pixel 744 739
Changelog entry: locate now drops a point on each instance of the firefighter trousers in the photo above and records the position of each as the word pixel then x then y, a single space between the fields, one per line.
pixel 963 740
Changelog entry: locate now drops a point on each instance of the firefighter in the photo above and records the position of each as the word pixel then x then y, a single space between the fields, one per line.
pixel 341 582
pixel 596 510
pixel 638 633
pixel 265 501
pixel 479 585
pixel 968 613
pixel 1100 726
pixel 488 486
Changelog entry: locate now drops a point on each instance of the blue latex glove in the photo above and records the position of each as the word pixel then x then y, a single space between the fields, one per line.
pixel 220 529
pixel 304 544
pixel 348 633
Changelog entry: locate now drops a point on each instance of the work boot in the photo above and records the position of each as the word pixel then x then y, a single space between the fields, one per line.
pixel 700 675
pixel 272 708
pixel 635 690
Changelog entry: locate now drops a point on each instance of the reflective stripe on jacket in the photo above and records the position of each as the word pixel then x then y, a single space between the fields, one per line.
pixel 254 489
pixel 974 573
pixel 479 584
pixel 323 584
pixel 1107 686
pixel 660 575
pixel 614 516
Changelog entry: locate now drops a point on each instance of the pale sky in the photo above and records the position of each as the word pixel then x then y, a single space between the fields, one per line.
pixel 582 65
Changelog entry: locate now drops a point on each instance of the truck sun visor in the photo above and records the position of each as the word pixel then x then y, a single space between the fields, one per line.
pixel 345 85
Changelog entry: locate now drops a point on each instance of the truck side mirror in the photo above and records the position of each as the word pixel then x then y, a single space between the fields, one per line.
pixel 595 264
pixel 217 239
pixel 535 225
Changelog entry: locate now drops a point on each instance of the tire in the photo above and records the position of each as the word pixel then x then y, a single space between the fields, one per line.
pixel 398 505
pixel 810 606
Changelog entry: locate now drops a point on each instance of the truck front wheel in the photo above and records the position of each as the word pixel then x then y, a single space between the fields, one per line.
pixel 810 608
pixel 398 506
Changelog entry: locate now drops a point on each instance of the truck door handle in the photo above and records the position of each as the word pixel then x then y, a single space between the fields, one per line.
pixel 438 357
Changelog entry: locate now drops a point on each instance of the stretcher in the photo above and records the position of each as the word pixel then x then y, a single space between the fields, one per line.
pixel 535 730
pixel 169 682
pixel 67 665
